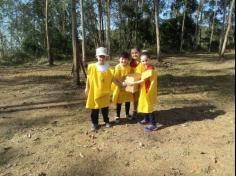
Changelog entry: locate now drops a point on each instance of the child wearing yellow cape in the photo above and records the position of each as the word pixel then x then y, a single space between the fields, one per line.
pixel 148 93
pixel 119 94
pixel 98 88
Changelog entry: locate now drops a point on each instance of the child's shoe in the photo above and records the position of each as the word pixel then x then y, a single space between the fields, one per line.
pixel 117 119
pixel 94 127
pixel 129 117
pixel 108 125
pixel 134 115
pixel 144 121
pixel 150 128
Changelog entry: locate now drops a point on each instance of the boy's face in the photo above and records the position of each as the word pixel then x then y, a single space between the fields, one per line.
pixel 123 61
pixel 144 60
pixel 101 59
pixel 135 54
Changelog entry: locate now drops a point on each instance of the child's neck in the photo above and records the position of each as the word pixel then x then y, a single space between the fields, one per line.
pixel 124 65
pixel 101 63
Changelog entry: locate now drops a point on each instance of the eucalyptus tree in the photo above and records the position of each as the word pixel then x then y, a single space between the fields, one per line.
pixel 227 30
pixel 83 30
pixel 213 22
pixel 156 7
pixel 108 4
pixel 49 55
pixel 198 23
pixel 183 23
pixel 223 5
pixel 100 22
pixel 76 68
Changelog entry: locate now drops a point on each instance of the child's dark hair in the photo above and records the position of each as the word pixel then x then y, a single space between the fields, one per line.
pixel 136 48
pixel 124 55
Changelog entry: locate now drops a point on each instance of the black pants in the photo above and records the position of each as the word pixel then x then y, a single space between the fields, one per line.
pixel 118 109
pixel 150 117
pixel 95 113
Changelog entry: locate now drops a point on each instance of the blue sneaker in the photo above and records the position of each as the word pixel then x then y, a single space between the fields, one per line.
pixel 144 121
pixel 150 128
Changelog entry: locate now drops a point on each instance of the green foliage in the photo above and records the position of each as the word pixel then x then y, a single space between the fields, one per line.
pixel 171 31
pixel 17 58
pixel 31 46
pixel 22 27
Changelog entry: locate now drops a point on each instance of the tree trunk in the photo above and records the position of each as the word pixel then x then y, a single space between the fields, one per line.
pixel 182 30
pixel 108 25
pixel 223 27
pixel 156 8
pixel 76 69
pixel 212 27
pixel 227 30
pixel 50 59
pixel 2 53
pixel 199 38
pixel 198 24
pixel 82 26
pixel 100 22
pixel 120 28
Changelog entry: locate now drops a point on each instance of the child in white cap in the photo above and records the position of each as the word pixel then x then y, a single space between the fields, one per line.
pixel 98 88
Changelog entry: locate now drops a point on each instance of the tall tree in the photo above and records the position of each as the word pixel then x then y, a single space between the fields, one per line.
pixel 182 28
pixel 50 58
pixel 198 24
pixel 82 26
pixel 108 3
pixel 212 26
pixel 227 30
pixel 76 68
pixel 156 9
pixel 223 25
pixel 100 19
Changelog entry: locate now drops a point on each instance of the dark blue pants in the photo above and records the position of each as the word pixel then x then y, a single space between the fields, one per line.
pixel 118 109
pixel 95 113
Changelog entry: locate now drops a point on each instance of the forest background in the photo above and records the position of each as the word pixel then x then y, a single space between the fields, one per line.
pixel 34 29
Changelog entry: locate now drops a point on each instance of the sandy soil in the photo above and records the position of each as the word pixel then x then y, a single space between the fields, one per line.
pixel 45 128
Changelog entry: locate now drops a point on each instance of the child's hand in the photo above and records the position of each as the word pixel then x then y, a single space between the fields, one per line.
pixel 130 83
pixel 124 84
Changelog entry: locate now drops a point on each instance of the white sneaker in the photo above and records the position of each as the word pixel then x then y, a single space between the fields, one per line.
pixel 108 125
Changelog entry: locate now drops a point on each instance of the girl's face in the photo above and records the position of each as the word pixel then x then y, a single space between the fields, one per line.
pixel 144 60
pixel 124 61
pixel 101 60
pixel 135 54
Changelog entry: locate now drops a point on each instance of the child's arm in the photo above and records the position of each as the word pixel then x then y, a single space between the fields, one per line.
pixel 116 82
pixel 86 90
pixel 136 82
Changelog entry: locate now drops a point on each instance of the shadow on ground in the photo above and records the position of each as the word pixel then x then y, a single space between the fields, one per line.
pixel 223 84
pixel 182 115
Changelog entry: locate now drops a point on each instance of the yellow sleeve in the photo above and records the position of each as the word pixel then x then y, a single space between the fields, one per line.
pixel 147 74
pixel 90 72
pixel 117 72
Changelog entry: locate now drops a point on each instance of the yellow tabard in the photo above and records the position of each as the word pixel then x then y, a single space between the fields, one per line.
pixel 139 69
pixel 148 99
pixel 99 87
pixel 120 95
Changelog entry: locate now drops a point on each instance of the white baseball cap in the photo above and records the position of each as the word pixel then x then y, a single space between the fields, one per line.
pixel 101 51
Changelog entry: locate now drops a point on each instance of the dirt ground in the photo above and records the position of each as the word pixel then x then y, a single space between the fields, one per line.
pixel 45 128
